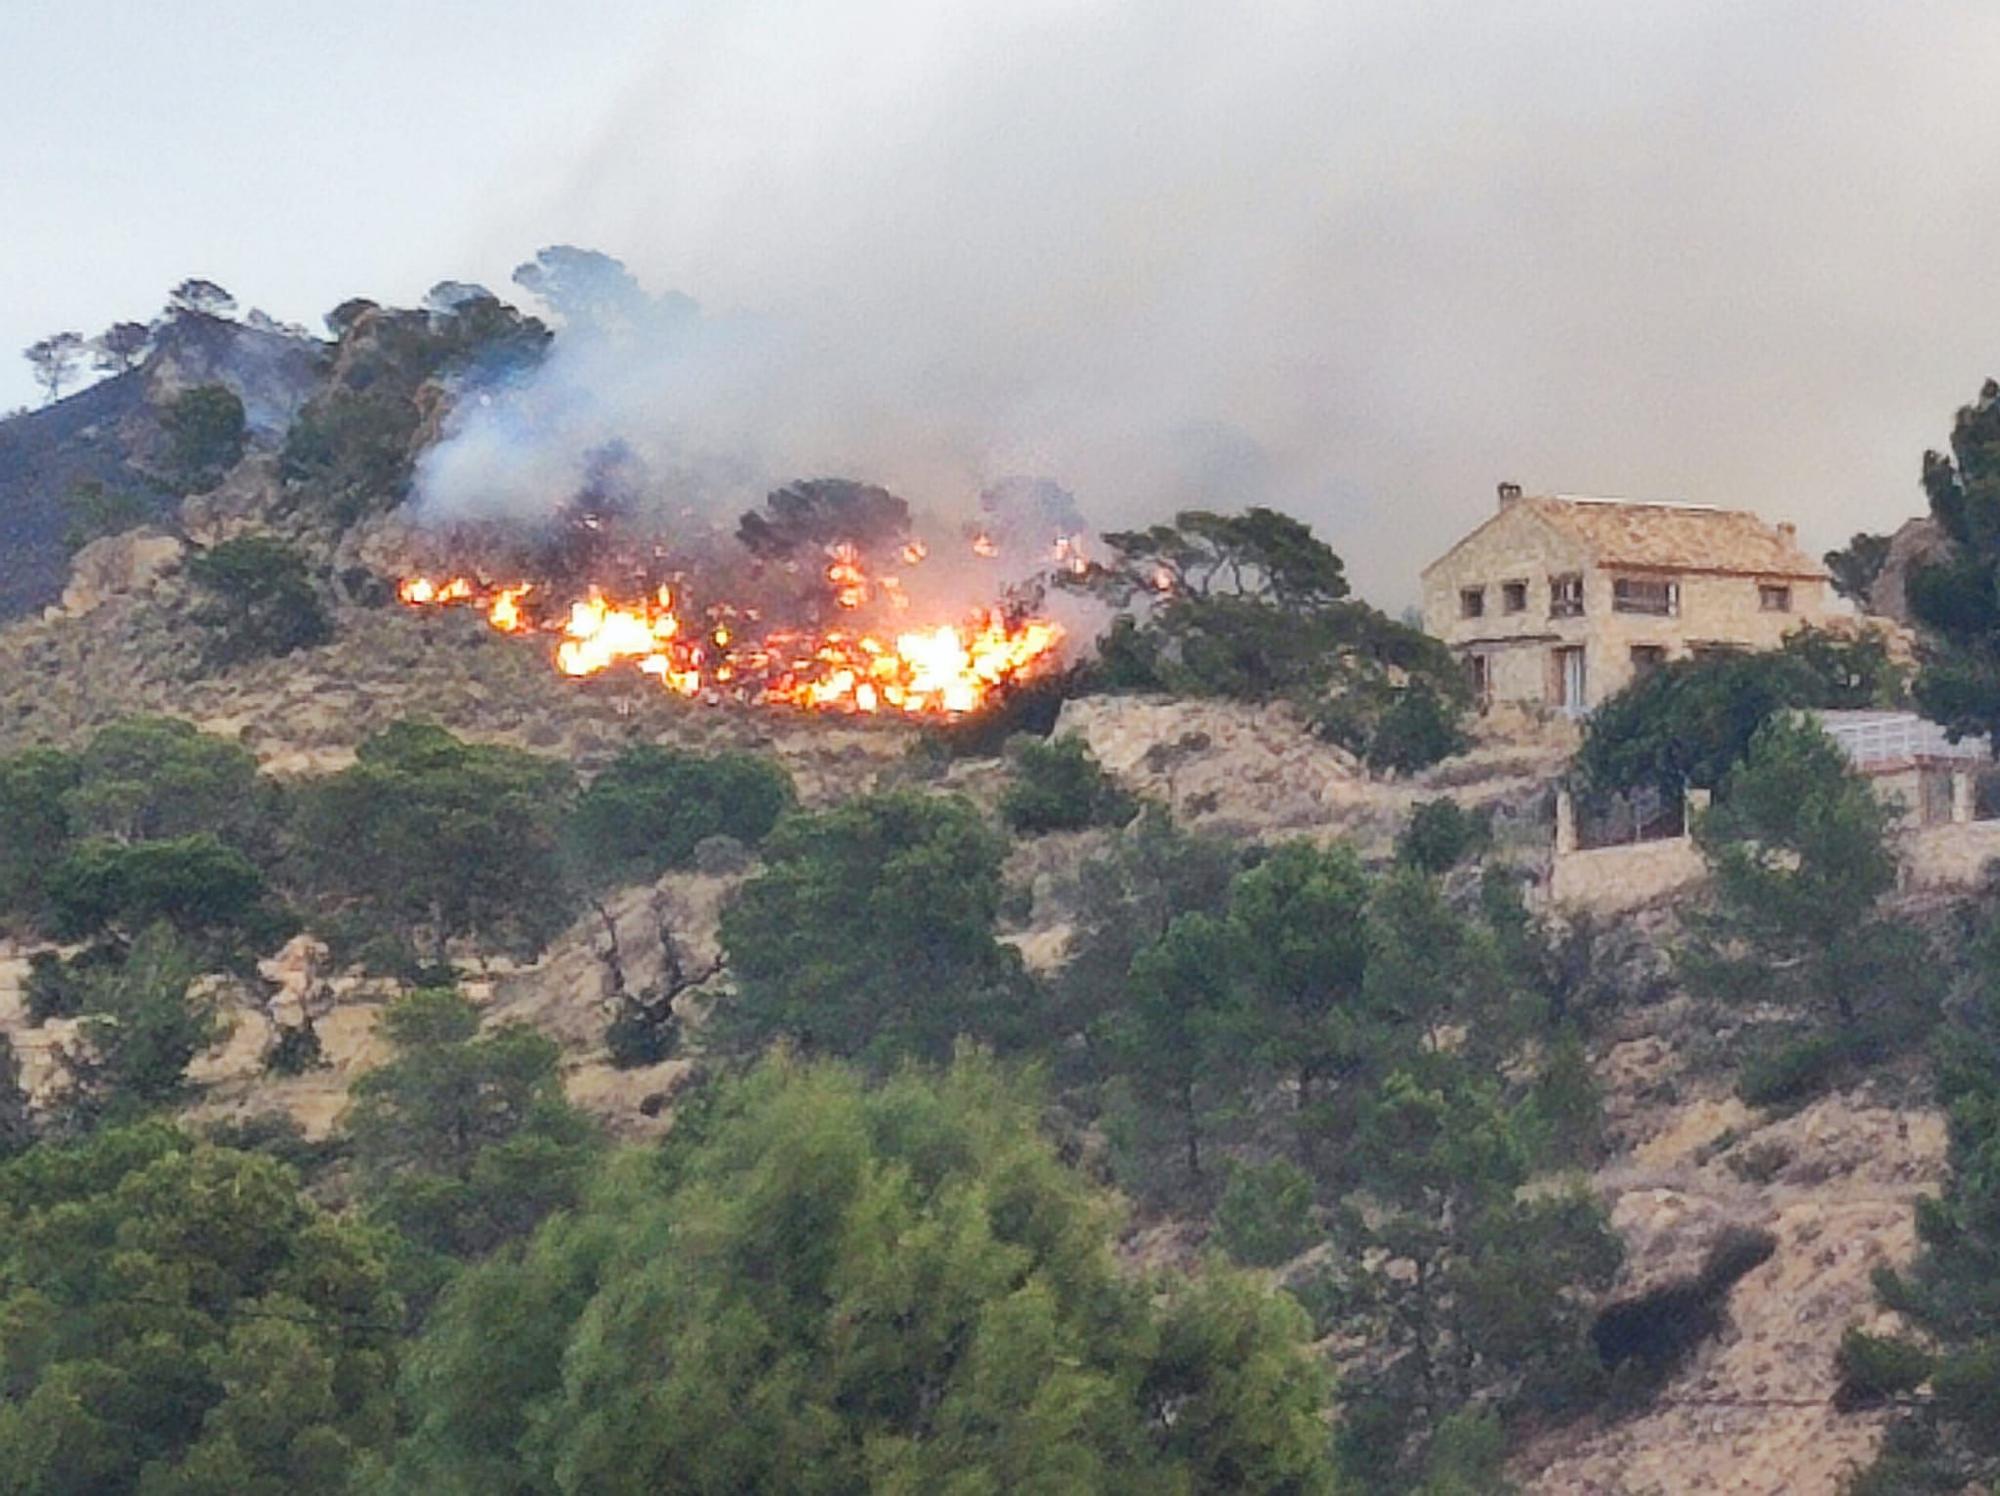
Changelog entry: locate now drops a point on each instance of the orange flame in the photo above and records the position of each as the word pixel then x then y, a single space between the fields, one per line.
pixel 939 671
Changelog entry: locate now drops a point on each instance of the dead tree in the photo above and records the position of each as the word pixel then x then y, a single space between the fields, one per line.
pixel 644 1029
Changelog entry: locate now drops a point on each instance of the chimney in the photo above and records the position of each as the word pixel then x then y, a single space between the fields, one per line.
pixel 1788 530
pixel 1508 493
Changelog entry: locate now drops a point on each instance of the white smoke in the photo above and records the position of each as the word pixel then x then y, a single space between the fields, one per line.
pixel 1356 260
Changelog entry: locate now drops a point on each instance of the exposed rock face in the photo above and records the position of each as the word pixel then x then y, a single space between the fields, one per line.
pixel 1257 772
pixel 116 565
pixel 1917 543
pixel 1750 1411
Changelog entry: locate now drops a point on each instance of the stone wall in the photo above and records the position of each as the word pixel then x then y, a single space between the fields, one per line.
pixel 1949 856
pixel 1611 880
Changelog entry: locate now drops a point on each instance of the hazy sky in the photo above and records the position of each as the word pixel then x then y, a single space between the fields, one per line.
pixel 1359 259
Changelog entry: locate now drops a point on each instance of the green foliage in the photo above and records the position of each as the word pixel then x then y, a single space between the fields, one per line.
pixel 352 449
pixel 1468 1284
pixel 1957 598
pixel 1874 1367
pixel 834 1289
pixel 1416 726
pixel 154 778
pixel 1690 721
pixel 1799 862
pixel 1441 834
pixel 200 885
pixel 17 1117
pixel 870 934
pixel 1300 919
pixel 1059 785
pixel 1951 1294
pixel 35 827
pixel 428 839
pixel 1791 1067
pixel 1177 1040
pixel 94 511
pixel 143 1025
pixel 464 1140
pixel 652 806
pixel 259 598
pixel 1264 1217
pixel 182 1318
pixel 205 431
pixel 1152 873
pixel 294 1050
pixel 1254 607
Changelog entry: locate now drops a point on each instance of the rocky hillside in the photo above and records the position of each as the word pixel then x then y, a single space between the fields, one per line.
pixel 1750 1409
pixel 110 433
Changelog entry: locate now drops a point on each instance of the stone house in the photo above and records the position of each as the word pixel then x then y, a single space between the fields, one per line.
pixel 1563 600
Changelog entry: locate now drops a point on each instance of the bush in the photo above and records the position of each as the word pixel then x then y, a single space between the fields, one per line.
pixel 1441 834
pixel 653 807
pixel 1874 1367
pixel 640 1035
pixel 1264 1217
pixel 259 598
pixel 1419 728
pixel 94 511
pixel 295 1050
pixel 1060 786
pixel 205 428
pixel 1795 1070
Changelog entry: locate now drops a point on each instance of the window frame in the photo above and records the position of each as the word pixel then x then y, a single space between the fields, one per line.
pixel 1566 599
pixel 1514 596
pixel 1780 590
pixel 1472 602
pixel 1624 598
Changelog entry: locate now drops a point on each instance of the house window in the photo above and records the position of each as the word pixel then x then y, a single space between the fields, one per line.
pixel 1514 597
pixel 1566 596
pixel 1654 595
pixel 1646 658
pixel 1478 671
pixel 1568 683
pixel 1773 597
pixel 1471 602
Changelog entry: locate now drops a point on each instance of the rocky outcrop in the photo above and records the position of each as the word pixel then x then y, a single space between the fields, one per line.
pixel 118 565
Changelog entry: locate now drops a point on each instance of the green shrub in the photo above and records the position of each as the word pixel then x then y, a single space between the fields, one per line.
pixel 642 1034
pixel 205 429
pixel 94 511
pixel 1874 1367
pixel 1794 1070
pixel 295 1050
pixel 1419 728
pixel 1264 1217
pixel 1441 834
pixel 650 809
pixel 259 598
pixel 1060 786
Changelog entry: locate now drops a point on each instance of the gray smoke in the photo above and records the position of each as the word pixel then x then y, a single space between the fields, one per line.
pixel 1359 261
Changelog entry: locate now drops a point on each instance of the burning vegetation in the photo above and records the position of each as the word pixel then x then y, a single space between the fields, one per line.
pixel 801 614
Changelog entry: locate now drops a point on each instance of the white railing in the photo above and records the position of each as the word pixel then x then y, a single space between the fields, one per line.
pixel 1897 736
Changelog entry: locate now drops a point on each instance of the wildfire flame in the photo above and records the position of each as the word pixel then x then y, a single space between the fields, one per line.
pixel 942 670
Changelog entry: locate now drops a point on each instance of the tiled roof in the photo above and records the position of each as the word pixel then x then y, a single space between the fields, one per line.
pixel 1677 537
